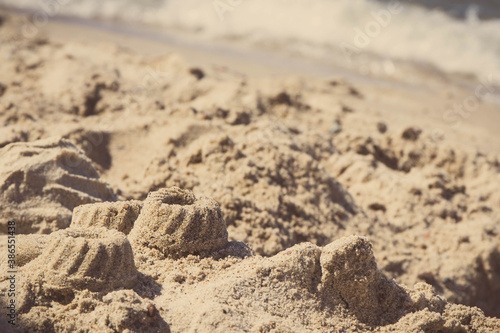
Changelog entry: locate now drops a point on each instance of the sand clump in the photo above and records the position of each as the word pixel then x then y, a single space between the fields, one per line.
pixel 41 182
pixel 350 275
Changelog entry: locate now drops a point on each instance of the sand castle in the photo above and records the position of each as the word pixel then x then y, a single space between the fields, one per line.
pixel 93 259
pixel 176 222
pixel 118 216
pixel 171 220
pixel 94 253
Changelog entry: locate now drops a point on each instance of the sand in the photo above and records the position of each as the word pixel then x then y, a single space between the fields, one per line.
pixel 153 195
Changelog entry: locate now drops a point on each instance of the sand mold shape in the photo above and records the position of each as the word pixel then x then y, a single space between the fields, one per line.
pixel 172 220
pixel 176 222
pixel 119 216
pixel 42 181
pixel 94 259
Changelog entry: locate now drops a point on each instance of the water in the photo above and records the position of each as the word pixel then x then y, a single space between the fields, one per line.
pixel 484 9
pixel 454 36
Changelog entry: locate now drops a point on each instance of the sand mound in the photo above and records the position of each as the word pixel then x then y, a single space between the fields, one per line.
pixel 176 222
pixel 438 201
pixel 42 181
pixel 309 289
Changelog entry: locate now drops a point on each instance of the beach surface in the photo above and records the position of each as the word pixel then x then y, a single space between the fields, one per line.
pixel 161 184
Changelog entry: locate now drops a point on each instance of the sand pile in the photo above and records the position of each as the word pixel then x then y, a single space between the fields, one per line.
pixel 118 216
pixel 272 191
pixel 283 171
pixel 440 202
pixel 41 183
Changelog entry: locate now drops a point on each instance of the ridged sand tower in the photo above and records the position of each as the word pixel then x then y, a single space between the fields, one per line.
pixel 176 222
pixel 96 259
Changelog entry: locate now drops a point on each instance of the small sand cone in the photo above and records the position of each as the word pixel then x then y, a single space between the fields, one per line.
pixel 351 277
pixel 96 259
pixel 111 215
pixel 177 223
pixel 299 264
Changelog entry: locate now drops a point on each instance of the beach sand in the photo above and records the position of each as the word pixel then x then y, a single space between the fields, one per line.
pixel 156 188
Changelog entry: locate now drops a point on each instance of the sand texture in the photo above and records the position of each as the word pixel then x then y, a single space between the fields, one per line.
pixel 42 182
pixel 154 196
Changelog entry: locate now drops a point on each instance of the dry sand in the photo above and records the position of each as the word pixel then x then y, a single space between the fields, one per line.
pixel 151 195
